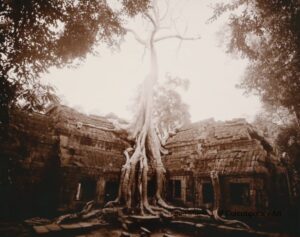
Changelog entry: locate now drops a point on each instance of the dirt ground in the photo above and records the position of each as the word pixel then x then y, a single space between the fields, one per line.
pixel 117 233
pixel 18 229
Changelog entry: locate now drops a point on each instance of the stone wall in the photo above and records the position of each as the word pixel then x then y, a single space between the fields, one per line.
pixel 46 156
pixel 91 157
pixel 29 165
pixel 64 158
pixel 93 183
pixel 245 162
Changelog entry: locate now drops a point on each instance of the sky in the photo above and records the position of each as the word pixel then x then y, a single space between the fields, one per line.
pixel 108 82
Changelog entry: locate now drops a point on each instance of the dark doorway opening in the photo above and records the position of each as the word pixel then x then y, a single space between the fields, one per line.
pixel 177 189
pixel 170 190
pixel 88 187
pixel 240 194
pixel 111 190
pixel 174 190
pixel 207 193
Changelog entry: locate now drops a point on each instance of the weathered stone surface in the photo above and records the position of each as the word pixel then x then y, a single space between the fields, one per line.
pixel 47 155
pixel 235 150
pixel 65 158
pixel 229 147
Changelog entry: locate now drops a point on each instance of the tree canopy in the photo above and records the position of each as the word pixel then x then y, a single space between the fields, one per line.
pixel 38 34
pixel 268 33
pixel 169 111
pixel 288 143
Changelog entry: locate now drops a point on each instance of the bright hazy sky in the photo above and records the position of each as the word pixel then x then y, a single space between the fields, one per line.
pixel 108 82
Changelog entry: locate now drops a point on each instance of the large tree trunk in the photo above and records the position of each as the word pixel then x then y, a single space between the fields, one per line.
pixel 134 174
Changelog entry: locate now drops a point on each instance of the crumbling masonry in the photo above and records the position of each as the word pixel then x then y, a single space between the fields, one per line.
pixel 61 159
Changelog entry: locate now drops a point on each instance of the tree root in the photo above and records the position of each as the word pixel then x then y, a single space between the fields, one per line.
pixel 156 211
pixel 70 217
pixel 216 216
pixel 113 203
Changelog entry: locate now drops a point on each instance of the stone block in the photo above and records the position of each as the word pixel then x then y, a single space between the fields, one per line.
pixel 40 229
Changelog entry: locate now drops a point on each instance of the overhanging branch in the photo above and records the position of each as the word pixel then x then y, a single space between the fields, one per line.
pixel 177 36
pixel 167 10
pixel 151 19
pixel 136 36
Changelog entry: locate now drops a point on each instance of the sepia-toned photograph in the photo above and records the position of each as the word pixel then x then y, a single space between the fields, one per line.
pixel 149 118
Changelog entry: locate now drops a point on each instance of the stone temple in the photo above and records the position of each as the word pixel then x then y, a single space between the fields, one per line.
pixel 62 159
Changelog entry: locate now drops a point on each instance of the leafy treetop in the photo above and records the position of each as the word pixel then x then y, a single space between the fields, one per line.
pixel 267 33
pixel 39 34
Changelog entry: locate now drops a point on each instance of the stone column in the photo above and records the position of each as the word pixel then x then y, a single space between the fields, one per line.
pixel 217 189
pixel 100 191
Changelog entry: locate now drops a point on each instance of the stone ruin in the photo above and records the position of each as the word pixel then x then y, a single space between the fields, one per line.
pixel 252 178
pixel 59 160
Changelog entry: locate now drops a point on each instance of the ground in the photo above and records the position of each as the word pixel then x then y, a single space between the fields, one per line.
pixel 19 229
pixel 117 233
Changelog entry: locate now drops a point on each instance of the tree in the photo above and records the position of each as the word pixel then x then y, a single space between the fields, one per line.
pixel 42 34
pixel 147 147
pixel 268 34
pixel 288 143
pixel 143 131
pixel 270 120
pixel 169 111
pixel 38 34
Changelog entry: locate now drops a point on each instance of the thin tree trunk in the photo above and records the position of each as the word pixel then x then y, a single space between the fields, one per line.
pixel 217 202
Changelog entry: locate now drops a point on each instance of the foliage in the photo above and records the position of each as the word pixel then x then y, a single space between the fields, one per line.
pixel 271 119
pixel 132 8
pixel 266 126
pixel 169 111
pixel 288 141
pixel 39 34
pixel 268 33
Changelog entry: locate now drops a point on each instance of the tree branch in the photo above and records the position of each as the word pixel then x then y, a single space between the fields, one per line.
pixel 167 10
pixel 144 53
pixel 176 36
pixel 151 19
pixel 136 36
pixel 156 11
